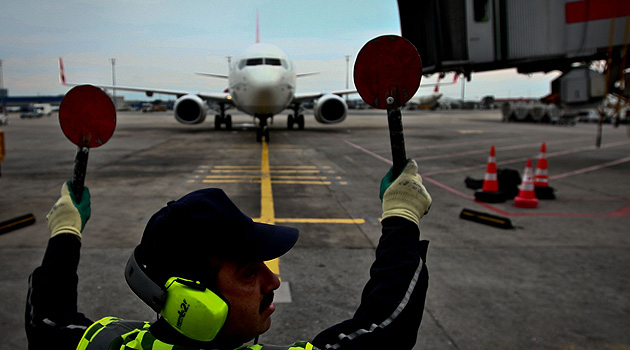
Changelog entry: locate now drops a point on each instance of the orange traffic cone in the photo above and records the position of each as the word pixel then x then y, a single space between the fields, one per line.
pixel 541 176
pixel 489 192
pixel 526 197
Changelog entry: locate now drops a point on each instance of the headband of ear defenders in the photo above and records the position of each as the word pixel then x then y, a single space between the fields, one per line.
pixel 144 287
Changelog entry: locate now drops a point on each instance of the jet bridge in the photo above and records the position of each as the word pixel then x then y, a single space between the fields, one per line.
pixel 468 36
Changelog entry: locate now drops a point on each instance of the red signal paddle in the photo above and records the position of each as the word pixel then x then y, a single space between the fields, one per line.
pixel 88 118
pixel 387 74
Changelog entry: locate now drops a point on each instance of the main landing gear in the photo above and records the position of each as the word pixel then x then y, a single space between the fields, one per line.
pixel 295 118
pixel 222 118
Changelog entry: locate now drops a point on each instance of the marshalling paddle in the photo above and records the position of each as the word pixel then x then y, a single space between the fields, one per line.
pixel 387 74
pixel 88 118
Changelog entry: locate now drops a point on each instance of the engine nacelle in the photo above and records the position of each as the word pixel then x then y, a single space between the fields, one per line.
pixel 190 109
pixel 330 109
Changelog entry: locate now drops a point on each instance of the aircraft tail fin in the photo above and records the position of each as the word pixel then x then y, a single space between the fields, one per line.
pixel 62 74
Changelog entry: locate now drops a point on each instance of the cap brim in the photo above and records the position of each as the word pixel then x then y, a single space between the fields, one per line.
pixel 271 241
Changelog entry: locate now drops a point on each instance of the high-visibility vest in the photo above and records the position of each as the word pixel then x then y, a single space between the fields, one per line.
pixel 115 333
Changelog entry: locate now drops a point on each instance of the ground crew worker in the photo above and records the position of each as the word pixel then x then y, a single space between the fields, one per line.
pixel 219 293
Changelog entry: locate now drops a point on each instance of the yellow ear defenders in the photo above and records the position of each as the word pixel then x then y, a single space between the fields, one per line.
pixel 193 310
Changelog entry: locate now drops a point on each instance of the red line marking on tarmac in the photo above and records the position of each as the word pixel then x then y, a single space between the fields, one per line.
pixel 498 148
pixel 591 168
pixel 623 212
pixel 524 159
pixel 447 188
pixel 370 152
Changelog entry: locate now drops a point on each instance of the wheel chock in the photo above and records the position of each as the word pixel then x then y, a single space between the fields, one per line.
pixel 486 219
pixel 16 223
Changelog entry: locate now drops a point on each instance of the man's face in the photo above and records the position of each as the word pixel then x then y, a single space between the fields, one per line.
pixel 249 290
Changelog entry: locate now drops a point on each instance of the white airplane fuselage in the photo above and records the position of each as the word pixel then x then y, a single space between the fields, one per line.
pixel 262 80
pixel 261 83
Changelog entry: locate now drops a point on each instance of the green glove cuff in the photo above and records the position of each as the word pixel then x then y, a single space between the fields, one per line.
pixel 387 180
pixel 84 208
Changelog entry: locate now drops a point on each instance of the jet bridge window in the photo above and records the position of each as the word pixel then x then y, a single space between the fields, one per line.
pixel 480 8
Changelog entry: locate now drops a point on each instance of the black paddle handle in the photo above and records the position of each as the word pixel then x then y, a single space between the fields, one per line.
pixel 397 139
pixel 80 168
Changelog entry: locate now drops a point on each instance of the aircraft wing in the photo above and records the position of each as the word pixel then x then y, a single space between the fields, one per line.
pixel 216 97
pixel 310 96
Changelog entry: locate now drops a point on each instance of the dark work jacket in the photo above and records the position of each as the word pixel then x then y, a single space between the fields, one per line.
pixel 388 316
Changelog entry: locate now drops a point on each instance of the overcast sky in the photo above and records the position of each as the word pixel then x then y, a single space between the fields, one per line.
pixel 161 44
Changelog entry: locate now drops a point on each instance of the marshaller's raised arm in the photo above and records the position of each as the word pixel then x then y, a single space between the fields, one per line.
pixel 392 301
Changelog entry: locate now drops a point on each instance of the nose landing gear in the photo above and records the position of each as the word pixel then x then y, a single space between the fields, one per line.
pixel 263 129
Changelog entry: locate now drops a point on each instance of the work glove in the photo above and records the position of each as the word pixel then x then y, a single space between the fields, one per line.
pixel 405 196
pixel 66 216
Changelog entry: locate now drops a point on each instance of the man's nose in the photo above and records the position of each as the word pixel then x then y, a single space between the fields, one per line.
pixel 272 281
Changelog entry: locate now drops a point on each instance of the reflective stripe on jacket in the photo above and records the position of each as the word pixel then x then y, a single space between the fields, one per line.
pixel 115 333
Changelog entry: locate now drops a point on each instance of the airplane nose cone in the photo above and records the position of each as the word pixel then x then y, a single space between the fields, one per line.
pixel 265 79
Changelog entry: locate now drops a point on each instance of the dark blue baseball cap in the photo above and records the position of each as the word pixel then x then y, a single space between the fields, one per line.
pixel 205 223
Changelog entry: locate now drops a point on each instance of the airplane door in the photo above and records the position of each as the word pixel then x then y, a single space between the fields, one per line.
pixel 480 27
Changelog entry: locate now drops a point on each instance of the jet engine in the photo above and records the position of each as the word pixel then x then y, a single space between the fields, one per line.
pixel 330 109
pixel 190 109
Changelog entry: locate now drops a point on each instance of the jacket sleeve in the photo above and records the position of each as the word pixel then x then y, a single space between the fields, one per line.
pixel 51 315
pixel 393 299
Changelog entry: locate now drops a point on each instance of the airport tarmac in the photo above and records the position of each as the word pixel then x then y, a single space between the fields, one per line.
pixel 558 280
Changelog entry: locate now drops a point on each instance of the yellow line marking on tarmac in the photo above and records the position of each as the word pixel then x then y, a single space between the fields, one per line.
pixel 296 171
pixel 232 177
pixel 320 221
pixel 258 177
pixel 235 171
pixel 270 167
pixel 284 182
pixel 227 171
pixel 267 213
pixel 301 177
pixel 252 149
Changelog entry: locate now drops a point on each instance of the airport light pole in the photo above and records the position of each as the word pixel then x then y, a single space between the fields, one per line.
pixel 347 73
pixel 1 81
pixel 347 70
pixel 3 93
pixel 113 60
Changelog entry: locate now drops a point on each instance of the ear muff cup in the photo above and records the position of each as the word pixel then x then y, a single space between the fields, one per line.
pixel 189 307
pixel 193 310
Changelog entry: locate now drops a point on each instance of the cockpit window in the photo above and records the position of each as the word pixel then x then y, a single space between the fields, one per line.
pixel 254 61
pixel 272 62
pixel 262 61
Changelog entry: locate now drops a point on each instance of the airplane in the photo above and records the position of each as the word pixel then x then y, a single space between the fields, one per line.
pixel 261 83
pixel 427 101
